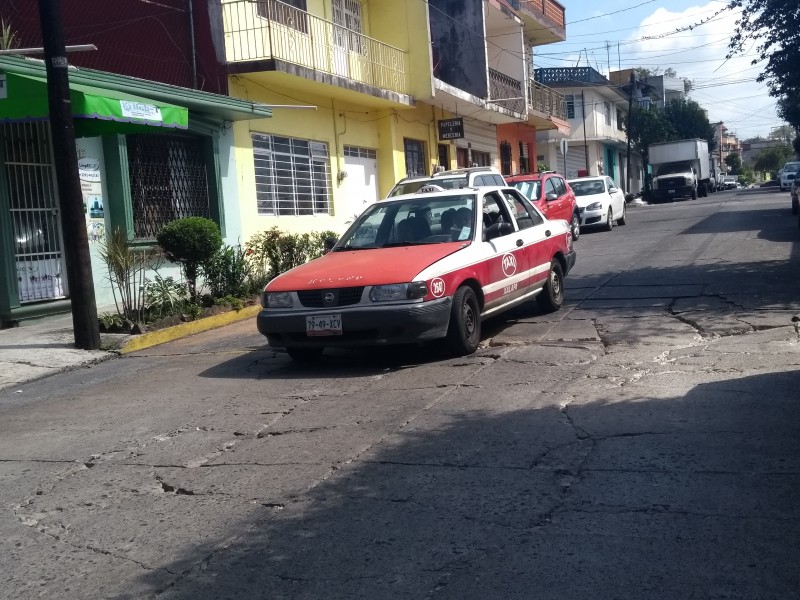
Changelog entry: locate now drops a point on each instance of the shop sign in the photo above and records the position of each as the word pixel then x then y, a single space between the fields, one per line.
pixel 451 129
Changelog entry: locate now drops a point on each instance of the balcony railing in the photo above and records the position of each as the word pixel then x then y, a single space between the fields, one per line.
pixel 506 91
pixel 546 100
pixel 270 29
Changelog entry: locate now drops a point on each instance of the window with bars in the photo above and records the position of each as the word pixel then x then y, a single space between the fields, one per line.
pixel 291 13
pixel 481 159
pixel 292 176
pixel 620 119
pixel 415 157
pixel 357 152
pixel 505 158
pixel 569 100
pixel 168 180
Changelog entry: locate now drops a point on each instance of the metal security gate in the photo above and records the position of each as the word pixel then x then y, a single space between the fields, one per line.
pixel 41 272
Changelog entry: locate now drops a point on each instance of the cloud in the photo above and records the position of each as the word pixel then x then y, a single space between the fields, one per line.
pixel 726 88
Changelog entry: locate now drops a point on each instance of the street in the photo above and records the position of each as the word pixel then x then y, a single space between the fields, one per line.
pixel 643 442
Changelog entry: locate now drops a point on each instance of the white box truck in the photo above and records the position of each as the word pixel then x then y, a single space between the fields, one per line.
pixel 680 169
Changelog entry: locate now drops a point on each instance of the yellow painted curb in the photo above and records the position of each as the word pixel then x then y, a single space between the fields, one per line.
pixel 162 336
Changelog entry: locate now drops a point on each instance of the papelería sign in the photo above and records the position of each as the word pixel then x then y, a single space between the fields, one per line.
pixel 451 129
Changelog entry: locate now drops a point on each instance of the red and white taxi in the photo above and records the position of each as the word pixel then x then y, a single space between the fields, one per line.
pixel 421 267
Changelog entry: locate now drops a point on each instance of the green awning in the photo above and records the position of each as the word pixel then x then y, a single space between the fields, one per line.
pixel 95 111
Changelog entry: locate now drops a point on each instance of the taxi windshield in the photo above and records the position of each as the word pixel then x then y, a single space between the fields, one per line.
pixel 424 220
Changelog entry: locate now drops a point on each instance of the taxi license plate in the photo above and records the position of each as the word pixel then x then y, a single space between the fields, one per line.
pixel 324 325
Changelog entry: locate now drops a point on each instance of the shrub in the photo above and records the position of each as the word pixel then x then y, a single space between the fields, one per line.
pixel 228 273
pixel 164 297
pixel 190 242
pixel 274 252
pixel 126 268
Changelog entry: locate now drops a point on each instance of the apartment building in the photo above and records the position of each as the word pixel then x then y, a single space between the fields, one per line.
pixel 597 145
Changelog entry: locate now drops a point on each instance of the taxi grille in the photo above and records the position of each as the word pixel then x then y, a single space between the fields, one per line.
pixel 339 297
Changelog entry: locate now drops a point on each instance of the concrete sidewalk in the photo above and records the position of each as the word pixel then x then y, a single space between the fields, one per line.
pixel 47 346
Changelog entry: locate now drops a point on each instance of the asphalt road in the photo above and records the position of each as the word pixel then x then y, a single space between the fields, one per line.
pixel 643 442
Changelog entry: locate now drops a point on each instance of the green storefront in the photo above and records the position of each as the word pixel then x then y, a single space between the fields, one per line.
pixel 148 153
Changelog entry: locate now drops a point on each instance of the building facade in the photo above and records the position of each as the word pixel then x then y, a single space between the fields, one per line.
pixel 597 145
pixel 148 153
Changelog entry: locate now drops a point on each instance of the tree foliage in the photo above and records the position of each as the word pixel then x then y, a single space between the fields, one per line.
pixel 773 25
pixel 649 127
pixel 772 159
pixel 734 163
pixel 689 120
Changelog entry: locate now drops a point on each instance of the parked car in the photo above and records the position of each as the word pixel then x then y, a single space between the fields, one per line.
pixel 787 174
pixel 421 267
pixel 730 182
pixel 450 180
pixel 600 201
pixel 552 195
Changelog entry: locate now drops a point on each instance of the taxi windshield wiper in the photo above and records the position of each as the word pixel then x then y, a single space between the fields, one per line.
pixel 343 248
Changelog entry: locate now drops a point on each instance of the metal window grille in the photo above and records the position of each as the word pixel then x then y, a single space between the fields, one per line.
pixel 347 18
pixel 415 157
pixel 292 176
pixel 569 99
pixel 505 158
pixel 481 159
pixel 357 152
pixel 34 212
pixel 168 179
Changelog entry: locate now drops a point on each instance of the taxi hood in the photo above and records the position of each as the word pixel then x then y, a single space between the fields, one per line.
pixel 351 268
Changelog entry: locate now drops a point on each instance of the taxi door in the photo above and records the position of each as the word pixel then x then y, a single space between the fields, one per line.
pixel 507 264
pixel 535 232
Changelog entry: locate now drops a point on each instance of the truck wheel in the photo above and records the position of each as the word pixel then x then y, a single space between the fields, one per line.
pixel 551 297
pixel 464 331
pixel 694 193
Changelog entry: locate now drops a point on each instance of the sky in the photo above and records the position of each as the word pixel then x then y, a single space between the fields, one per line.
pixel 652 33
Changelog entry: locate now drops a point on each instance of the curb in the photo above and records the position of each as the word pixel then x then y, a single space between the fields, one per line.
pixel 162 336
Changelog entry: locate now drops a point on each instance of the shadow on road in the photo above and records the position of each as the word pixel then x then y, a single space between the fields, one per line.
pixel 674 498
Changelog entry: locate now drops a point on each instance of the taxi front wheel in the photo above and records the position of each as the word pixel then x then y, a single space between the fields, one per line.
pixel 464 331
pixel 551 297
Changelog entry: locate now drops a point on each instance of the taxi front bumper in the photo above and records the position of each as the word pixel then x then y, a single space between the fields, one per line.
pixel 374 325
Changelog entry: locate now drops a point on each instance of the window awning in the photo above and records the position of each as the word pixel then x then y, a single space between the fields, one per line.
pixel 95 111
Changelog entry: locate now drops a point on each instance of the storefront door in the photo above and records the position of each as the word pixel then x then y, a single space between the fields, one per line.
pixel 33 201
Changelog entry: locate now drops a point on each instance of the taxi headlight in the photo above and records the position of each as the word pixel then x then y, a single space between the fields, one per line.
pixel 595 206
pixel 398 291
pixel 278 299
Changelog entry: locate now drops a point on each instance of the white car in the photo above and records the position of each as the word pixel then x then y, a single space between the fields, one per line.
pixel 600 201
pixel 787 175
pixel 450 180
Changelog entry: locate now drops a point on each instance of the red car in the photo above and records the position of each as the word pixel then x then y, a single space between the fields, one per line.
pixel 550 193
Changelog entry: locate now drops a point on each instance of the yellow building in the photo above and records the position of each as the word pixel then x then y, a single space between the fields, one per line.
pixel 380 77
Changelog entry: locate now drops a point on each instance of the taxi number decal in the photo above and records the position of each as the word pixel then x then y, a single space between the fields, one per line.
pixel 437 287
pixel 510 288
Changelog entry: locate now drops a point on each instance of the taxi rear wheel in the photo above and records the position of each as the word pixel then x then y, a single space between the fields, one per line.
pixel 464 331
pixel 304 354
pixel 610 220
pixel 551 297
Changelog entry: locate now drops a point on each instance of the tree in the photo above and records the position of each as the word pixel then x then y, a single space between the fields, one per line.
pixel 773 26
pixel 689 120
pixel 796 145
pixel 772 159
pixel 734 163
pixel 648 127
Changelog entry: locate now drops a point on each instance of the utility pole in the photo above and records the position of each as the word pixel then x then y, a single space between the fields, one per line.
pixel 585 143
pixel 631 85
pixel 73 218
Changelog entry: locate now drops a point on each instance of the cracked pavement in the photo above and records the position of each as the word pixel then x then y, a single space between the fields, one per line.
pixel 643 442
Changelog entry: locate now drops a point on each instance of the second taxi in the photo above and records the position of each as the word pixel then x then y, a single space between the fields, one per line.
pixel 420 267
